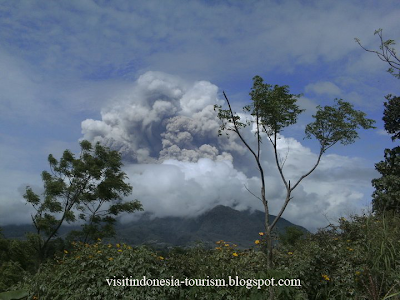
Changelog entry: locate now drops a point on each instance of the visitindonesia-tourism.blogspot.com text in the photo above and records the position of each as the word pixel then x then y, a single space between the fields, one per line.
pixel 217 282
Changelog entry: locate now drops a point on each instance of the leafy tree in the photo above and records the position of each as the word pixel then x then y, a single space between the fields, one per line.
pixel 272 109
pixel 391 116
pixel 386 53
pixel 91 186
pixel 386 195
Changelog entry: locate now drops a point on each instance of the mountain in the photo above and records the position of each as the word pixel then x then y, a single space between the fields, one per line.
pixel 219 223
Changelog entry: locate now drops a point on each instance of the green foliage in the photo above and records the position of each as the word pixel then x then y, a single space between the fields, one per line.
pixel 274 107
pixel 359 259
pixel 92 184
pixel 84 270
pixel 16 259
pixel 391 116
pixel 14 295
pixel 356 259
pixel 386 53
pixel 291 236
pixel 386 196
pixel 387 188
pixel 338 123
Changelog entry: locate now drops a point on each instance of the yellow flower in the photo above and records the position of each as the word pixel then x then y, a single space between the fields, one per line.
pixel 325 277
pixel 218 248
pixel 118 245
pixel 109 245
pixel 119 250
pixel 358 273
pixel 99 251
pixel 351 249
pixel 129 247
pixel 257 242
pixel 110 258
pixel 290 253
pixel 65 251
pixel 235 254
pixel 261 233
pixel 160 258
pixel 226 245
pixel 99 239
pixel 218 242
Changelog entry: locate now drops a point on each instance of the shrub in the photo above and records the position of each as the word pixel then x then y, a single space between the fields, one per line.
pixel 82 272
pixel 358 259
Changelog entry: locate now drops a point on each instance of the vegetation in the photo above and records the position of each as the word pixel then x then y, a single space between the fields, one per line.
pixel 387 188
pixel 386 53
pixel 357 259
pixel 386 197
pixel 272 109
pixel 92 185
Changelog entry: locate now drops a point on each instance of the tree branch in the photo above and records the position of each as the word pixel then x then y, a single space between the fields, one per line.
pixel 252 193
pixel 250 149
pixel 322 150
pixel 277 162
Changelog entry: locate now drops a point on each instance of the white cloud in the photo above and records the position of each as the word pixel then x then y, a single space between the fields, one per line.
pixel 64 62
pixel 179 166
pixel 382 132
pixel 103 40
pixel 323 88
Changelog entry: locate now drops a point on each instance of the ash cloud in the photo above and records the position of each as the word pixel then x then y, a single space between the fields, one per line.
pixel 167 132
pixel 162 117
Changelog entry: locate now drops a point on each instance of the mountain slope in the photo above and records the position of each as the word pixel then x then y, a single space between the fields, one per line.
pixel 219 223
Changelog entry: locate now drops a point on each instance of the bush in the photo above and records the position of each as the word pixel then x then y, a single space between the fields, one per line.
pixel 358 259
pixel 16 259
pixel 82 272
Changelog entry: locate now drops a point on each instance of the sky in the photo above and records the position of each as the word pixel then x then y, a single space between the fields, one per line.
pixel 141 77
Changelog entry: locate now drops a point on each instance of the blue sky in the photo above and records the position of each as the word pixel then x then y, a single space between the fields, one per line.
pixel 139 76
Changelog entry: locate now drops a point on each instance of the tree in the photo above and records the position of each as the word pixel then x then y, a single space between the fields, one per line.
pixel 272 109
pixel 91 185
pixel 391 116
pixel 386 53
pixel 386 197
